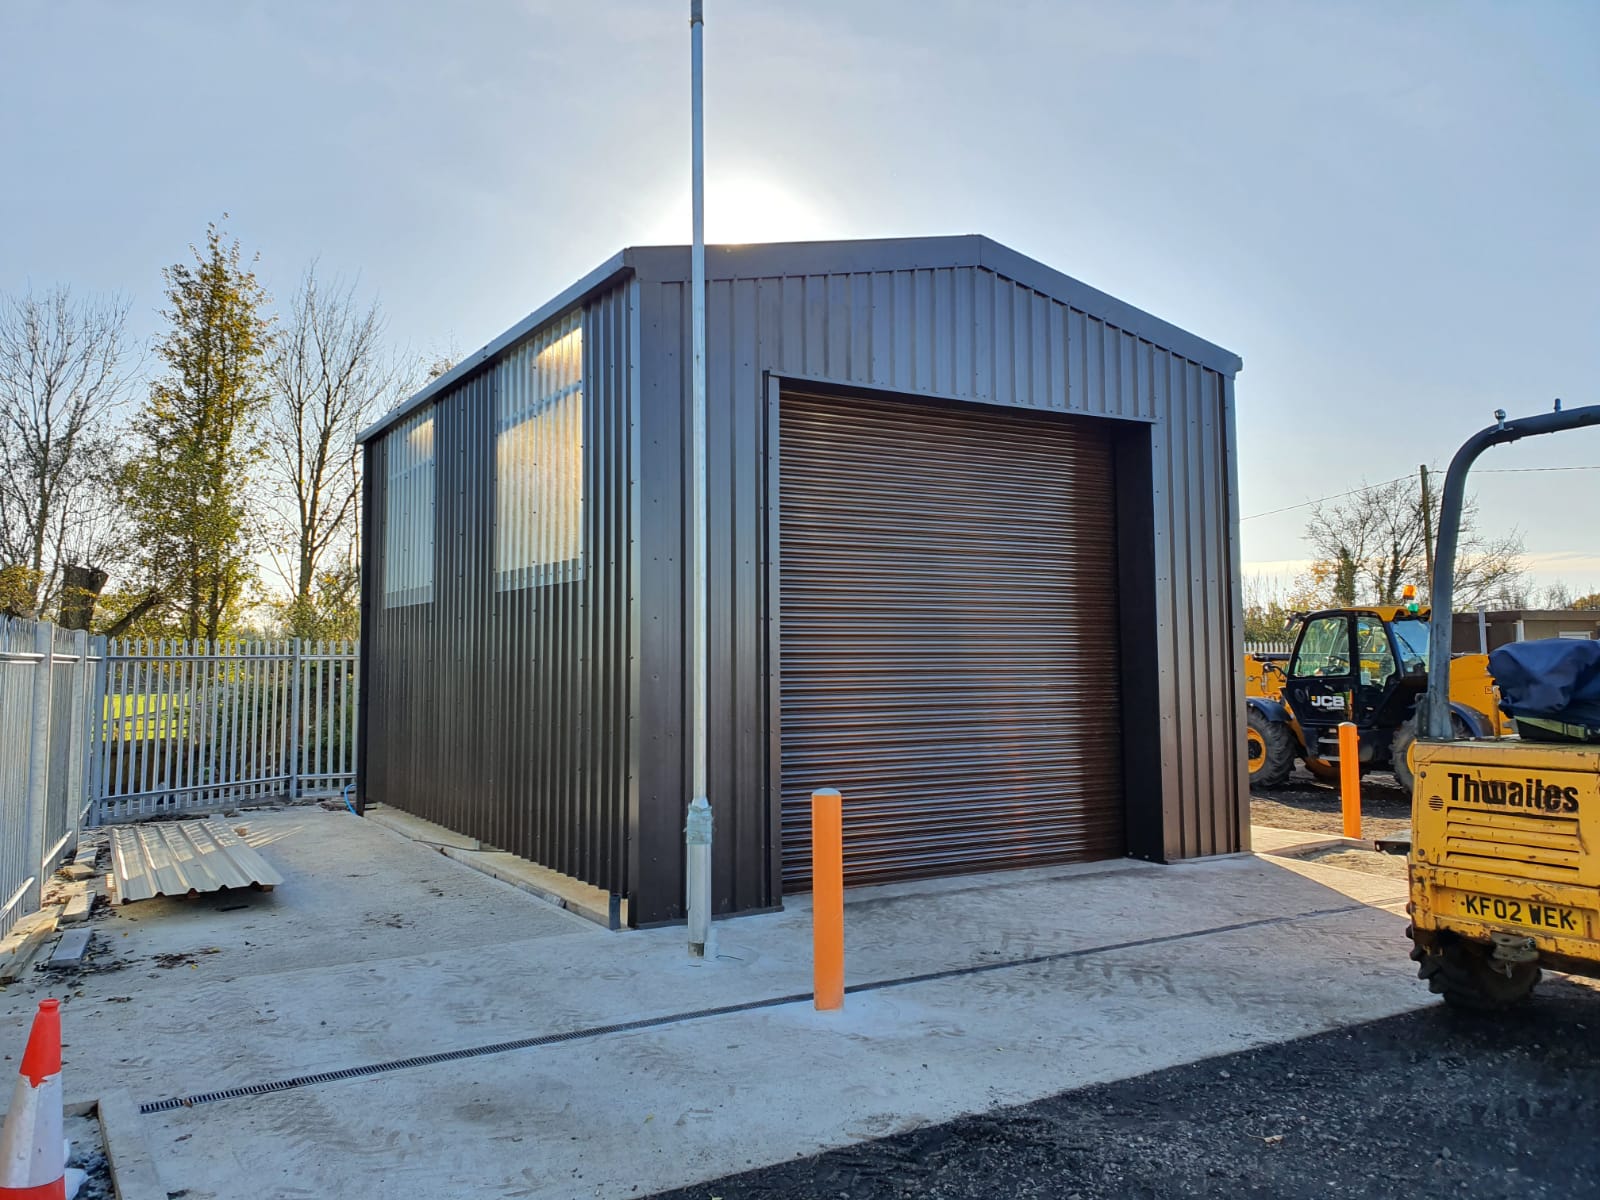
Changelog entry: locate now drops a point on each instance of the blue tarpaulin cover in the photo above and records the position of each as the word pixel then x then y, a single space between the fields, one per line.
pixel 1557 679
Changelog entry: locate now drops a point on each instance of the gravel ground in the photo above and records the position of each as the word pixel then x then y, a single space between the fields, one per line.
pixel 1304 802
pixel 1432 1103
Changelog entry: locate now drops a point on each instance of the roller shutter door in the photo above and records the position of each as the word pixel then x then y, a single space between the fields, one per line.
pixel 948 636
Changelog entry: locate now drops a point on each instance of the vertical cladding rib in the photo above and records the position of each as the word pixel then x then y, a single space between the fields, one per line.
pixel 577 682
pixel 488 693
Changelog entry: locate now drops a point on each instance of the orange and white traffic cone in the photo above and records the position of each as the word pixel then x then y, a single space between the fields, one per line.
pixel 33 1154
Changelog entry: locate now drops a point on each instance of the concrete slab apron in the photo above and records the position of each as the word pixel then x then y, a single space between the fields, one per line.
pixel 670 1106
pixel 468 961
pixel 696 1100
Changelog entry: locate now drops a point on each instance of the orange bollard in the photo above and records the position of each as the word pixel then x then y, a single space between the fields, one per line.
pixel 1350 778
pixel 827 899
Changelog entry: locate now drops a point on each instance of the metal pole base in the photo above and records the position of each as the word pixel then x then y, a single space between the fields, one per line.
pixel 697 839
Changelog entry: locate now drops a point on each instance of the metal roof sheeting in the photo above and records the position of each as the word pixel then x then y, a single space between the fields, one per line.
pixel 183 858
pixel 855 256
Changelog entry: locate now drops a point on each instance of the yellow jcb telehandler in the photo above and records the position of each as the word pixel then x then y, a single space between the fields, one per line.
pixel 1505 834
pixel 1367 665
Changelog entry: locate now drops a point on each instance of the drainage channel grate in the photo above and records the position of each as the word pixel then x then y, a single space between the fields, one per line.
pixel 598 1031
pixel 445 1056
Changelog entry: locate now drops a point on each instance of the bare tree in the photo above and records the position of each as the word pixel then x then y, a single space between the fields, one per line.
pixel 331 374
pixel 1557 595
pixel 1370 544
pixel 63 368
pixel 441 363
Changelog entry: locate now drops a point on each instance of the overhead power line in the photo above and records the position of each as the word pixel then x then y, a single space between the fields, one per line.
pixel 1324 499
pixel 1370 487
pixel 1525 470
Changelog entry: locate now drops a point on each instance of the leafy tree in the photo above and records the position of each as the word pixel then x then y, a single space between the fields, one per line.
pixel 332 610
pixel 1370 544
pixel 1269 607
pixel 63 369
pixel 198 442
pixel 1587 603
pixel 132 613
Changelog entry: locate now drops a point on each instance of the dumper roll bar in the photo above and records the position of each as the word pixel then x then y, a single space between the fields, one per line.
pixel 1436 710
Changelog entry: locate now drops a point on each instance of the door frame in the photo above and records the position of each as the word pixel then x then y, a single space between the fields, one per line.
pixel 1143 800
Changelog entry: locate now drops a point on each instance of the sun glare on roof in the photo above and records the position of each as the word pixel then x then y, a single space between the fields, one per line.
pixel 745 206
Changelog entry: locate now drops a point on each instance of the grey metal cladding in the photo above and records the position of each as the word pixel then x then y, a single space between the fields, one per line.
pixel 923 327
pixel 550 721
pixel 803 259
pixel 505 713
pixel 602 278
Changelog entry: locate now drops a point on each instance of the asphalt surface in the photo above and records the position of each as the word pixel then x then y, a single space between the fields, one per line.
pixel 1432 1103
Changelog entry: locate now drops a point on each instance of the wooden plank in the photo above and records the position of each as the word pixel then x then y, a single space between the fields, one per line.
pixel 19 947
pixel 76 911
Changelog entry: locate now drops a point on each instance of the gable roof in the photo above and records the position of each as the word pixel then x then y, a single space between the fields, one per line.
pixel 671 263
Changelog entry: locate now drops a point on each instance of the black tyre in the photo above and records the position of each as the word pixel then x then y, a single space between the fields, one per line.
pixel 1269 748
pixel 1400 754
pixel 1467 975
pixel 1405 737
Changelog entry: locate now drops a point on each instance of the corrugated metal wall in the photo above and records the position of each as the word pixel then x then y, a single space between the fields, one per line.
pixel 502 706
pixel 551 719
pixel 963 332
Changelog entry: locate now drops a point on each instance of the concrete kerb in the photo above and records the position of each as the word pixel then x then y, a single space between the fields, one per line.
pixel 1297 843
pixel 132 1166
pixel 562 891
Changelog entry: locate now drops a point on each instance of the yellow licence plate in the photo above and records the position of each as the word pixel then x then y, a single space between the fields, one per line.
pixel 1555 919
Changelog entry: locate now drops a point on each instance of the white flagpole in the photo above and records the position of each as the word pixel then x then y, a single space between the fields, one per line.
pixel 697 830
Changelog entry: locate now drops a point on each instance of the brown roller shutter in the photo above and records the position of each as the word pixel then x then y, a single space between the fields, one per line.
pixel 949 634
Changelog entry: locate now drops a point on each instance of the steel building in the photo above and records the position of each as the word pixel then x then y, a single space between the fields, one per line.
pixel 973 561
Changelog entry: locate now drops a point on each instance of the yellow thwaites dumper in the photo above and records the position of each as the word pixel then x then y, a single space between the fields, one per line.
pixel 1505 834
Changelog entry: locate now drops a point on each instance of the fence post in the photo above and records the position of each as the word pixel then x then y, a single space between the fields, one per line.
pixel 78 752
pixel 94 718
pixel 39 762
pixel 294 725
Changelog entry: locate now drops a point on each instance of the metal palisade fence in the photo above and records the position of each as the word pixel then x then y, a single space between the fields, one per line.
pixel 1268 647
pixel 95 731
pixel 47 688
pixel 191 726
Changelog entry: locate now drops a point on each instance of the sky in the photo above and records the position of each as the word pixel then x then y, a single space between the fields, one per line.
pixel 1389 211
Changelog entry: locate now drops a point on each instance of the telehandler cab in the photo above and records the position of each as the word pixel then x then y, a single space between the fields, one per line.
pixel 1296 703
pixel 1504 862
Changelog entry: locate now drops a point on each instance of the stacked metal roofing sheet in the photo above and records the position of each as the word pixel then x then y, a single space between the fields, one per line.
pixel 183 858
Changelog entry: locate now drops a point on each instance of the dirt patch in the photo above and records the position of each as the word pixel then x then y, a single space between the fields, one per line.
pixel 1368 862
pixel 1306 803
pixel 1432 1103
pixel 182 958
pixel 89 1155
